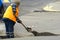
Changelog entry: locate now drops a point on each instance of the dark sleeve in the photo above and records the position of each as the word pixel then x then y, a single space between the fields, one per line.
pixel 14 11
pixel 14 8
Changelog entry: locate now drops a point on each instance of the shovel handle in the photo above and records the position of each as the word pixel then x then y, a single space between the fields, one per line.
pixel 24 26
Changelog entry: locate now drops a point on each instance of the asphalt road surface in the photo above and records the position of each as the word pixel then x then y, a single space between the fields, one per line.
pixel 38 21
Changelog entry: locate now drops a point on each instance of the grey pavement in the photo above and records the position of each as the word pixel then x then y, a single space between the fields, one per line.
pixel 36 38
pixel 38 21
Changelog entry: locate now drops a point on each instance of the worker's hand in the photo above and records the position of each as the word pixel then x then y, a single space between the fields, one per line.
pixel 19 21
pixel 29 29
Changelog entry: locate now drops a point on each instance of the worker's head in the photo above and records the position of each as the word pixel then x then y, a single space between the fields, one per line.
pixel 17 2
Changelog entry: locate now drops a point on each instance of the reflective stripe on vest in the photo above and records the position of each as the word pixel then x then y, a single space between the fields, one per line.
pixel 9 14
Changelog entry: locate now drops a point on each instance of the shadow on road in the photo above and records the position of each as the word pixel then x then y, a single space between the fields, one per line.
pixel 35 33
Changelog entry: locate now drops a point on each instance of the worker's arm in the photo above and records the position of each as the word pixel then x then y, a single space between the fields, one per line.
pixel 14 12
pixel 14 9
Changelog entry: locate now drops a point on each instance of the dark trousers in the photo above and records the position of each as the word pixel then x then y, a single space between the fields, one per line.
pixel 9 24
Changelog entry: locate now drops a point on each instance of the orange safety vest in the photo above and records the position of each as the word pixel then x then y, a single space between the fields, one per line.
pixel 9 14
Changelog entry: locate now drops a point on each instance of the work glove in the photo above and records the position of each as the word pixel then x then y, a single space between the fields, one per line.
pixel 19 21
pixel 28 29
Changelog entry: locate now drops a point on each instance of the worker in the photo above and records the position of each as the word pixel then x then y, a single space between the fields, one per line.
pixel 10 17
